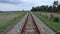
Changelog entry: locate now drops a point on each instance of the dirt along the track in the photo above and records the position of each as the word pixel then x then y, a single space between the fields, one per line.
pixel 30 27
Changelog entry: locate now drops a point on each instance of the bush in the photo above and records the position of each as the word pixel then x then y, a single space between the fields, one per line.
pixel 51 16
pixel 56 19
pixel 40 14
pixel 57 32
pixel 15 18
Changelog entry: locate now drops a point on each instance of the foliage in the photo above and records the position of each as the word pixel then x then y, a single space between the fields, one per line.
pixel 54 8
pixel 56 19
pixel 39 8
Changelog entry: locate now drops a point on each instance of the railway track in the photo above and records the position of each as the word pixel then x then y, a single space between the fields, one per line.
pixel 30 24
pixel 30 27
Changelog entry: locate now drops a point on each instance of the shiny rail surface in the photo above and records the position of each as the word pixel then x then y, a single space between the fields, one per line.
pixel 30 26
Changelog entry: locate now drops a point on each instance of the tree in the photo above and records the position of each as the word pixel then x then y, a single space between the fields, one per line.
pixel 54 8
pixel 55 5
pixel 33 9
pixel 50 9
pixel 39 8
pixel 58 7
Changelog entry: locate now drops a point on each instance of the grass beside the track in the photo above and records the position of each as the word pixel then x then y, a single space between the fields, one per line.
pixel 53 25
pixel 7 19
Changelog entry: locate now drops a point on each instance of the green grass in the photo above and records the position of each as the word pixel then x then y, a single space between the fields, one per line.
pixel 8 19
pixel 50 23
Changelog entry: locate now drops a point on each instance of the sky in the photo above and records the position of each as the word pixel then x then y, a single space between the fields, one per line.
pixel 12 5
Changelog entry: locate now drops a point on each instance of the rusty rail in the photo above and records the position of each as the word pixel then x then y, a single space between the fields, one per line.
pixel 26 23
pixel 39 30
pixel 23 25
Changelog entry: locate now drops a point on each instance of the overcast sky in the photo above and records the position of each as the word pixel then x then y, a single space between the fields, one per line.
pixel 7 5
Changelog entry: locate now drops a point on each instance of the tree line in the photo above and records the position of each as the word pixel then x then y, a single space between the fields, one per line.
pixel 54 8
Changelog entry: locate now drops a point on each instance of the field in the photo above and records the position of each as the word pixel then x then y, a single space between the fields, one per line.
pixel 48 14
pixel 55 26
pixel 8 18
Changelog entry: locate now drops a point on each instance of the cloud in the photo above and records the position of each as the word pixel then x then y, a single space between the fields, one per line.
pixel 8 7
pixel 11 1
pixel 22 4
